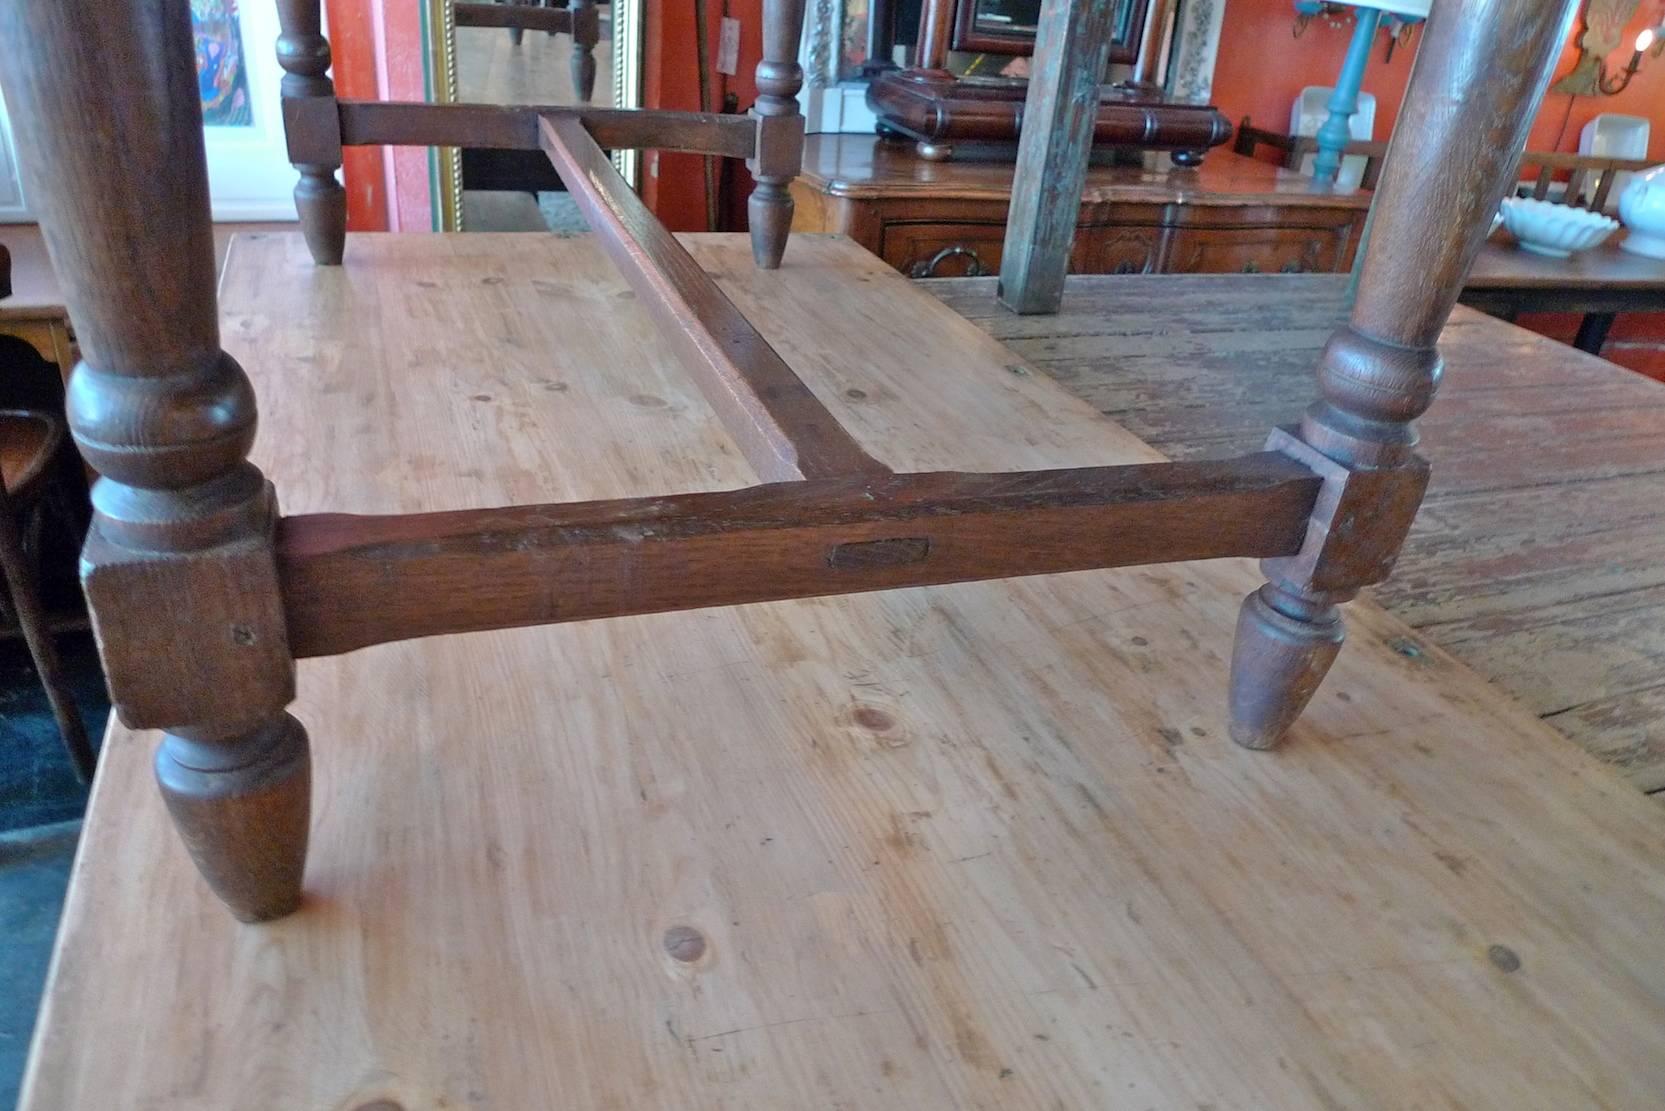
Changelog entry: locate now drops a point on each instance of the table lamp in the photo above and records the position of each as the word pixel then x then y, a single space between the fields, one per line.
pixel 1335 131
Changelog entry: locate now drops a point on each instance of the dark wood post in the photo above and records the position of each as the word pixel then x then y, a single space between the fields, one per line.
pixel 179 567
pixel 586 32
pixel 780 131
pixel 1072 45
pixel 1453 154
pixel 309 109
pixel 518 34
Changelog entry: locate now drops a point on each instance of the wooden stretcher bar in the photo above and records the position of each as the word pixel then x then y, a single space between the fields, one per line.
pixel 515 127
pixel 349 581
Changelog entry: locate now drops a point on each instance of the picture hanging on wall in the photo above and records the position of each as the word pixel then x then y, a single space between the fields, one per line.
pixel 222 78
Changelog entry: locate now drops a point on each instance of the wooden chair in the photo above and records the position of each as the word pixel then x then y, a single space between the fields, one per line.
pixel 581 19
pixel 30 441
pixel 203 595
pixel 1597 172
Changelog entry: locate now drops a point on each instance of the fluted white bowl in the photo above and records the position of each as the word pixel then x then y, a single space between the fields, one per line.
pixel 1556 230
pixel 1642 208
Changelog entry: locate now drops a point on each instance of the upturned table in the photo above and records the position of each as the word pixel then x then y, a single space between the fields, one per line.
pixel 983 845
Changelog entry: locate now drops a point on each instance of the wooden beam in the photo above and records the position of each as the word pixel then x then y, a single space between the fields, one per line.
pixel 349 581
pixel 1072 45
pixel 778 424
pixel 515 16
pixel 515 127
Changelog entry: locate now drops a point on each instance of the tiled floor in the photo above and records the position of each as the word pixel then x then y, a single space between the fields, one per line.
pixel 34 871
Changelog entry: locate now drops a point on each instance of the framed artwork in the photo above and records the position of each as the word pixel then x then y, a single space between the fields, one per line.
pixel 249 176
pixel 222 73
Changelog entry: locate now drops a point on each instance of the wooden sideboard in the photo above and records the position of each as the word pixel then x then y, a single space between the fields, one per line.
pixel 948 219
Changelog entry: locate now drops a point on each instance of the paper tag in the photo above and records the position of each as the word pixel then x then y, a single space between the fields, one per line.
pixel 728 47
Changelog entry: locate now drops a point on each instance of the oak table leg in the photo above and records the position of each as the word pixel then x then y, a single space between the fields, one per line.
pixel 304 54
pixel 1454 152
pixel 179 567
pixel 780 131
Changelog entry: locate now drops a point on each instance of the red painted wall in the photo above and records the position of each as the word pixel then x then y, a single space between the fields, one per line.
pixel 1262 68
pixel 364 169
pixel 673 185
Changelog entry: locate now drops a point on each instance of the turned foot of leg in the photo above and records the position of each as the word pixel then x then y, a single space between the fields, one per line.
pixel 242 807
pixel 322 205
pixel 583 73
pixel 1286 641
pixel 769 212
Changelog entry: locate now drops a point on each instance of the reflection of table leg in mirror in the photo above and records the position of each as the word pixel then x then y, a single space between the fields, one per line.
pixel 586 32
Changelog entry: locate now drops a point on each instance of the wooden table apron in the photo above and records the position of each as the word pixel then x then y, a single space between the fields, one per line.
pixel 977 846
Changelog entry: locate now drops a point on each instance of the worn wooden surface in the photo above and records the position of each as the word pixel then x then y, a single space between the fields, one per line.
pixel 981 846
pixel 1539 556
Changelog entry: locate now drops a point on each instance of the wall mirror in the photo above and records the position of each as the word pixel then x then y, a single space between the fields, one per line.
pixel 506 53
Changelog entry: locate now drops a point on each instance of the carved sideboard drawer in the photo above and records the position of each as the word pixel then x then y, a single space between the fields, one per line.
pixel 1133 249
pixel 1257 250
pixel 943 250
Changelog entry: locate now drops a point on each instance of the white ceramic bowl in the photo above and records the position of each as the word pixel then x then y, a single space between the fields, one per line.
pixel 1642 207
pixel 1556 230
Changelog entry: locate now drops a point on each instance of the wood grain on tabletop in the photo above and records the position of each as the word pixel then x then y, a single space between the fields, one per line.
pixel 1539 556
pixel 972 846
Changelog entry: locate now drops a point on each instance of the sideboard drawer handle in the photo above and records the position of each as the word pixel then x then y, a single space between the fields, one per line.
pixel 928 269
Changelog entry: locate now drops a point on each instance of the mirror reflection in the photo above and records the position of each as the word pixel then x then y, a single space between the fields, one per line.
pixel 559 52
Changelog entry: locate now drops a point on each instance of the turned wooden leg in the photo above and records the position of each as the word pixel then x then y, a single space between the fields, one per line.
pixel 179 569
pixel 1453 155
pixel 780 131
pixel 304 54
pixel 586 32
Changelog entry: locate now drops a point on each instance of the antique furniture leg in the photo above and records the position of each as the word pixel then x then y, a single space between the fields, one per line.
pixel 1454 153
pixel 1072 45
pixel 780 131
pixel 586 32
pixel 23 588
pixel 304 54
pixel 179 566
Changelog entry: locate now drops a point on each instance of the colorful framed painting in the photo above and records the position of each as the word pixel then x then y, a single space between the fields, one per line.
pixel 249 177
